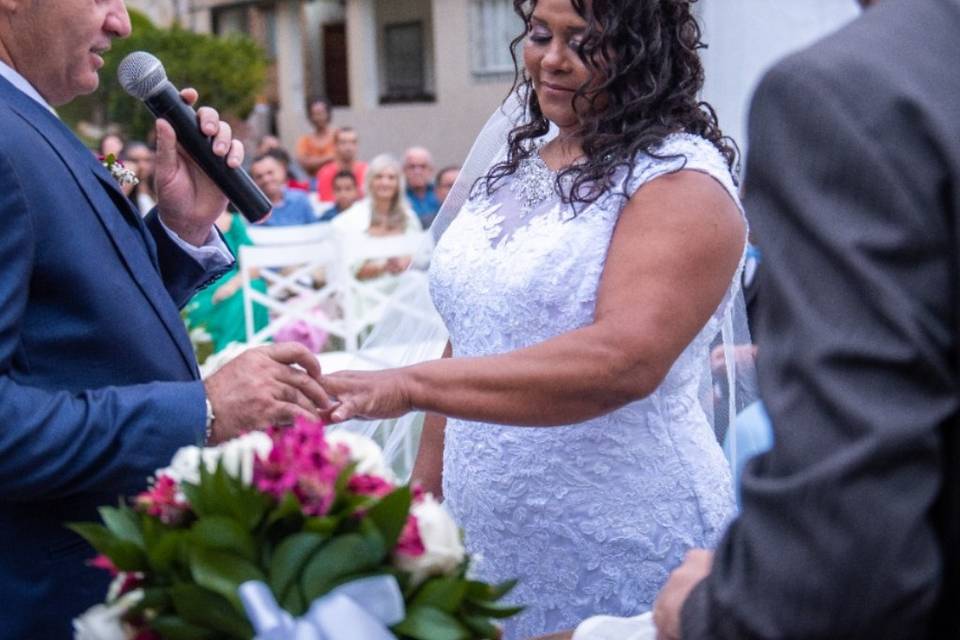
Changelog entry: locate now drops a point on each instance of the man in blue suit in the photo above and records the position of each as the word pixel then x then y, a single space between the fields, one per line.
pixel 98 382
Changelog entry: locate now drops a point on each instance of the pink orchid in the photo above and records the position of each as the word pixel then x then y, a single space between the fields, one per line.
pixel 369 485
pixel 105 563
pixel 410 542
pixel 163 500
pixel 302 462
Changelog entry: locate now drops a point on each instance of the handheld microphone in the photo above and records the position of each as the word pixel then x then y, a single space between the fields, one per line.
pixel 143 77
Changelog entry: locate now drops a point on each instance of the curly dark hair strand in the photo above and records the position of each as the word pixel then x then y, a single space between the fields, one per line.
pixel 649 90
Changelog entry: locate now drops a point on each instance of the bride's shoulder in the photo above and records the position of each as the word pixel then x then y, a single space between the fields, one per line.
pixel 677 152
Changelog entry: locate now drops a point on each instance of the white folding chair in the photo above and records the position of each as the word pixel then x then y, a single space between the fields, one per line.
pixel 288 271
pixel 371 297
pixel 295 234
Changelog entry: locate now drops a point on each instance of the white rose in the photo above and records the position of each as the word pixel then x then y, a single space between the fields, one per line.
pixel 364 452
pixel 441 540
pixel 185 466
pixel 102 622
pixel 237 456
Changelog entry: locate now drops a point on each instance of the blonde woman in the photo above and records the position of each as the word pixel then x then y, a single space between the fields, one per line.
pixel 383 212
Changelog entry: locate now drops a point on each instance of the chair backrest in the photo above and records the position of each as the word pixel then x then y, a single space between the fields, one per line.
pixel 371 297
pixel 294 234
pixel 293 292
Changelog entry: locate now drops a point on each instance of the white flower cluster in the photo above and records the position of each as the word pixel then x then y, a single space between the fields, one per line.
pixel 237 456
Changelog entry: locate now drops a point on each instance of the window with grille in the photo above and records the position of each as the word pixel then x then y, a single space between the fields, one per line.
pixel 405 79
pixel 493 25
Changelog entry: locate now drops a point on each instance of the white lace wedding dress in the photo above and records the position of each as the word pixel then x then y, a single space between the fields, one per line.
pixel 592 517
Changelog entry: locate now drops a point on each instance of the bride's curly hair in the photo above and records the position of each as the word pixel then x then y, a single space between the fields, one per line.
pixel 642 55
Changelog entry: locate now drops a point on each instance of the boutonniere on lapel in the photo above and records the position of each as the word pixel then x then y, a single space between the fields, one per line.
pixel 120 173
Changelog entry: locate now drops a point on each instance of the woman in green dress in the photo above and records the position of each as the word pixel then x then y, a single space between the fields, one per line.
pixel 218 309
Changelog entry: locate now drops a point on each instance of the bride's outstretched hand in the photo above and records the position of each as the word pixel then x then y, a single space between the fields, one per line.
pixel 367 395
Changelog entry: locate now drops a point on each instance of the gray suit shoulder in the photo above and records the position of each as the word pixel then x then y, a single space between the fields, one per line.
pixel 896 61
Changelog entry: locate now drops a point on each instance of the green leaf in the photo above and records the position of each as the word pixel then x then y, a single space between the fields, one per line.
pixel 156 598
pixel 195 497
pixel 294 602
pixel 492 610
pixel 222 573
pixel 247 505
pixel 289 508
pixel 127 556
pixel 324 526
pixel 99 537
pixel 123 523
pixel 289 560
pixel 205 609
pixel 480 627
pixel 390 515
pixel 444 594
pixel 174 628
pixel 164 551
pixel 341 557
pixel 482 592
pixel 224 534
pixel 427 623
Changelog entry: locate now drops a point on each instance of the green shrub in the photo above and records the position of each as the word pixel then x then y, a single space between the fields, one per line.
pixel 228 73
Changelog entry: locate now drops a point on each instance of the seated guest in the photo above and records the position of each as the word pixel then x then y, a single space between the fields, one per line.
pixel 296 179
pixel 290 207
pixel 140 158
pixel 219 308
pixel 111 144
pixel 418 169
pixel 345 194
pixel 345 159
pixel 384 212
pixel 384 201
pixel 445 179
pixel 315 149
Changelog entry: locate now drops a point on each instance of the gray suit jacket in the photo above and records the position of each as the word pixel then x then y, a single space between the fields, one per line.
pixel 849 525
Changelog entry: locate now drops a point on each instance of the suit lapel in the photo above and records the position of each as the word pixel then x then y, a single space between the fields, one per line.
pixel 122 224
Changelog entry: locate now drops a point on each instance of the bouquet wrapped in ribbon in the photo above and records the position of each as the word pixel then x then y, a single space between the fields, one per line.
pixel 315 529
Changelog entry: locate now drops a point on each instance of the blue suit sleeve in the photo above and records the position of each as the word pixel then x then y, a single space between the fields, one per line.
pixel 182 275
pixel 56 443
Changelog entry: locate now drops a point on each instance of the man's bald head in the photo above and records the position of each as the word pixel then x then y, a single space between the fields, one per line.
pixel 417 167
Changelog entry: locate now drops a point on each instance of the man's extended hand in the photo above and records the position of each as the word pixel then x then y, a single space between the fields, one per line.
pixel 189 202
pixel 260 388
pixel 666 610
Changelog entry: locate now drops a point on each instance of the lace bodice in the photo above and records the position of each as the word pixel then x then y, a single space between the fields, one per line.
pixel 590 517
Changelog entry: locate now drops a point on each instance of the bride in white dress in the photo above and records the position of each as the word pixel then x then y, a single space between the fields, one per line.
pixel 583 283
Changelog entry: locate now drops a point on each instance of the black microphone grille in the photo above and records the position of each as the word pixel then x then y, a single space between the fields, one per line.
pixel 140 74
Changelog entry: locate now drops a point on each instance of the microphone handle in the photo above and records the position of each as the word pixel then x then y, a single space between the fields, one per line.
pixel 236 184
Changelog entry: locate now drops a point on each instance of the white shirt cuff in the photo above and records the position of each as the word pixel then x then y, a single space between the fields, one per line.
pixel 612 628
pixel 213 254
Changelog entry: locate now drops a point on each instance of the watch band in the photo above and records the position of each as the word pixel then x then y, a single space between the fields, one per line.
pixel 208 428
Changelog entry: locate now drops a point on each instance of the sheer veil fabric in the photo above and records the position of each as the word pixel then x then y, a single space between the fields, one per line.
pixel 402 338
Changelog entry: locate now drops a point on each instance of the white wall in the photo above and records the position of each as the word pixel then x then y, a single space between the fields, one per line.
pixel 464 102
pixel 746 37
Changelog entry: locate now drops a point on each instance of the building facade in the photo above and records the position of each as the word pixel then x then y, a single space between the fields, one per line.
pixel 429 72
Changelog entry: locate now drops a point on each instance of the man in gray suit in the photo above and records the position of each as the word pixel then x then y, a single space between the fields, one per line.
pixel 850 526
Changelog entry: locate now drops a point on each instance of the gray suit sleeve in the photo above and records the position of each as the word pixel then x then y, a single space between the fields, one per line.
pixel 835 539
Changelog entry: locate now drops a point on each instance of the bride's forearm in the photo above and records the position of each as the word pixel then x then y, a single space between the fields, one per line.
pixel 569 379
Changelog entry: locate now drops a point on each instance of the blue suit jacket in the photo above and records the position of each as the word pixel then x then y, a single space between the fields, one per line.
pixel 98 381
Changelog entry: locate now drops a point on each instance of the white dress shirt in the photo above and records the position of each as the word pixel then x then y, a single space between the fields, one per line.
pixel 214 253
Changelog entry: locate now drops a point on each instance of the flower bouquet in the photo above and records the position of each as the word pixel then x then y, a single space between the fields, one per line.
pixel 297 516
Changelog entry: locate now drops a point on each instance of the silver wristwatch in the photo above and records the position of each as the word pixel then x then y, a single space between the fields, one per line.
pixel 208 429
